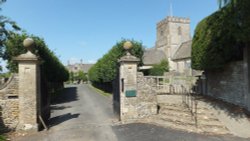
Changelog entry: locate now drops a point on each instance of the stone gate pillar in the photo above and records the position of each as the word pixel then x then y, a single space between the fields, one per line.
pixel 128 85
pixel 29 88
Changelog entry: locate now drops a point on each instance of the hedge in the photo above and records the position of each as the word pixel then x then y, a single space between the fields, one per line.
pixel 221 37
pixel 53 69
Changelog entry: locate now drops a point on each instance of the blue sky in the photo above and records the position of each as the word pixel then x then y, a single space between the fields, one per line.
pixel 87 29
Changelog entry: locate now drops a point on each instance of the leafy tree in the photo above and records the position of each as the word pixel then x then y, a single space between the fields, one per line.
pixel 81 76
pixel 223 2
pixel 105 70
pixel 4 32
pixel 71 77
pixel 159 69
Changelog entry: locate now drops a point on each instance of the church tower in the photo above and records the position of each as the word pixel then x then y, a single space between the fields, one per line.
pixel 171 33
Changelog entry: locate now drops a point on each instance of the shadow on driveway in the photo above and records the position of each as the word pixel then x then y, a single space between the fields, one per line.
pixel 68 94
pixel 62 118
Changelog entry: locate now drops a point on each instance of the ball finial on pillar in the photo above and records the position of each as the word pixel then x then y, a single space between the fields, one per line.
pixel 28 43
pixel 127 45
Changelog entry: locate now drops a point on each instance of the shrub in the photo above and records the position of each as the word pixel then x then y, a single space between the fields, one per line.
pixel 159 69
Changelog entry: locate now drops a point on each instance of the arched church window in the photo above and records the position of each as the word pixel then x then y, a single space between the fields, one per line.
pixel 179 30
pixel 162 33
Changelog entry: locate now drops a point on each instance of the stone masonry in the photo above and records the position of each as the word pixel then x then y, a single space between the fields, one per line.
pixel 29 90
pixel 9 109
pixel 137 98
pixel 227 84
pixel 20 96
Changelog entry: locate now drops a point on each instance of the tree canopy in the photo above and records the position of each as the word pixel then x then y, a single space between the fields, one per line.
pixel 4 32
pixel 105 70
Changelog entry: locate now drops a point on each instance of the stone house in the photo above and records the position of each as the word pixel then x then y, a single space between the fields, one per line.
pixel 79 67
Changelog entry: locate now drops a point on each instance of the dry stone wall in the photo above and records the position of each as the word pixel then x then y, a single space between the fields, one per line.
pixel 146 99
pixel 228 84
pixel 9 104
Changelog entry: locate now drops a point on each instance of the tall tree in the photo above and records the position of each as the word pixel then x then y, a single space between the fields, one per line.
pixel 4 30
pixel 222 3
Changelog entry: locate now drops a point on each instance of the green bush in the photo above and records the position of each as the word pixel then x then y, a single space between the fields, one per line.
pixel 105 70
pixel 159 69
pixel 220 38
pixel 53 69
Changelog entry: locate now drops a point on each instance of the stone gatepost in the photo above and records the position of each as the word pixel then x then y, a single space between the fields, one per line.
pixel 128 85
pixel 29 88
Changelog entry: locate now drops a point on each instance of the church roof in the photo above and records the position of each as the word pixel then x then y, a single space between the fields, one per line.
pixel 184 51
pixel 153 56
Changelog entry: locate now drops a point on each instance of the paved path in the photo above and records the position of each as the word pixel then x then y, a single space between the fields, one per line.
pixel 83 115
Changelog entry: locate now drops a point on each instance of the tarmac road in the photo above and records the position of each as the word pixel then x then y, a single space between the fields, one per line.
pixel 81 114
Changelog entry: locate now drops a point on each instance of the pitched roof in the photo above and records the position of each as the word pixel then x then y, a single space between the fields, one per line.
pixel 84 67
pixel 184 51
pixel 153 56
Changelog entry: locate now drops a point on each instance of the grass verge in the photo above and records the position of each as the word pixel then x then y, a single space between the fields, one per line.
pixel 99 91
pixel 2 138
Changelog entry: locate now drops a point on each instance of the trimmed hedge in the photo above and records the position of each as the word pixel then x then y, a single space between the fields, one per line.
pixel 220 38
pixel 51 66
pixel 105 70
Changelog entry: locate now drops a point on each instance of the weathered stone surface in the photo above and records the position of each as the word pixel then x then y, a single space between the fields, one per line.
pixel 9 107
pixel 228 84
pixel 141 105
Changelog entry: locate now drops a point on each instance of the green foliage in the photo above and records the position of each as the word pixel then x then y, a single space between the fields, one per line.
pixel 81 76
pixel 5 32
pixel 220 38
pixel 105 70
pixel 2 138
pixel 51 66
pixel 5 75
pixel 159 69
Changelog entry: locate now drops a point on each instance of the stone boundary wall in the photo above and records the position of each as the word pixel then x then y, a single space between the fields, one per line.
pixel 146 99
pixel 228 84
pixel 9 104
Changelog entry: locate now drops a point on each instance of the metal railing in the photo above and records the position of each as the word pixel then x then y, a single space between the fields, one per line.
pixel 189 99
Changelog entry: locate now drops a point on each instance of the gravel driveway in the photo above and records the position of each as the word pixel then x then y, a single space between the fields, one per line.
pixel 81 114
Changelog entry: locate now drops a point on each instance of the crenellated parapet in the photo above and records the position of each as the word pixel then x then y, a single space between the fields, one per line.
pixel 174 19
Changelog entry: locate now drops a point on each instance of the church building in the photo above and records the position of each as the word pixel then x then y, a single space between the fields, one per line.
pixel 173 43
